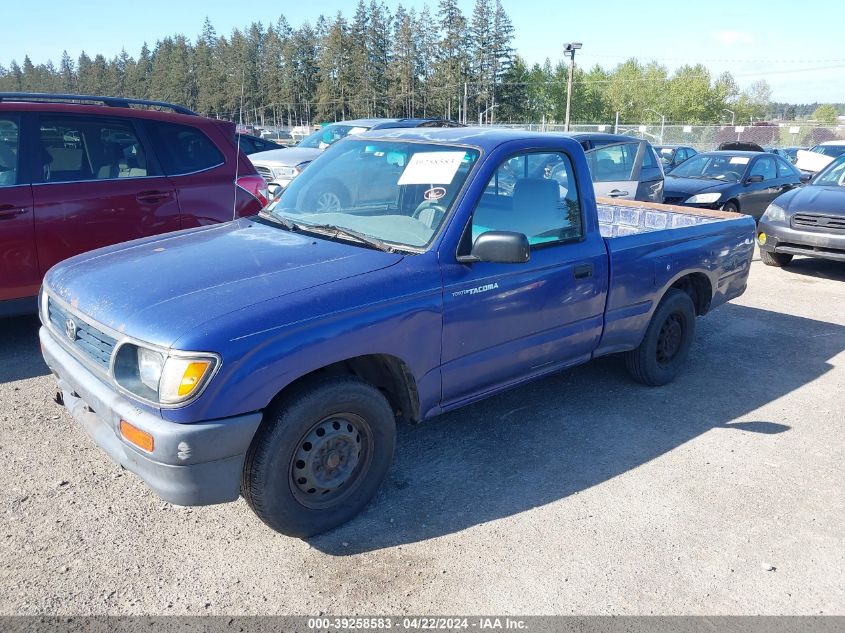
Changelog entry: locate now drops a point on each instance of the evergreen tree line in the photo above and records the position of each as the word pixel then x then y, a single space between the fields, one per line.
pixel 381 63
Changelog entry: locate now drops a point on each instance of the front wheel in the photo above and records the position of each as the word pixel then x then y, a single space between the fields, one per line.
pixel 319 456
pixel 730 207
pixel 663 351
pixel 775 259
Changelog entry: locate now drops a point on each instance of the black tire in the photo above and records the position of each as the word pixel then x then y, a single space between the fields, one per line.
pixel 730 206
pixel 291 482
pixel 775 259
pixel 664 349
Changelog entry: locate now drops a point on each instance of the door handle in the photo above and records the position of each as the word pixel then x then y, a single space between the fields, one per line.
pixel 152 197
pixel 584 271
pixel 9 211
pixel 615 193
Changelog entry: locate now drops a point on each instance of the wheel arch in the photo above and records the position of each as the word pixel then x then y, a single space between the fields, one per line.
pixel 387 373
pixel 699 287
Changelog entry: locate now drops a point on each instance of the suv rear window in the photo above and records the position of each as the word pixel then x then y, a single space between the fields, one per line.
pixel 182 149
pixel 79 148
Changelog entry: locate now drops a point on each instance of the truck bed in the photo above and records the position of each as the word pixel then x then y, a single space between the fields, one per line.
pixel 650 245
pixel 618 218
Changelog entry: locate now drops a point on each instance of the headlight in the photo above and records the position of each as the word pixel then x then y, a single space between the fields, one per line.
pixel 704 198
pixel 150 364
pixel 159 377
pixel 775 213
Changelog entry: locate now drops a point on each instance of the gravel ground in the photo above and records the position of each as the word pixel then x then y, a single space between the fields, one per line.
pixel 581 493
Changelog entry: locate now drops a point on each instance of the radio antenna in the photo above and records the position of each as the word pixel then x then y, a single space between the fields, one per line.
pixel 238 146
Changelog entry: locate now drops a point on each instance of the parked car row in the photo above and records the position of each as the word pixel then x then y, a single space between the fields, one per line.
pixel 98 171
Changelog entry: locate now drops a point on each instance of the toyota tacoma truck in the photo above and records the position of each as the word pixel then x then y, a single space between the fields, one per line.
pixel 272 356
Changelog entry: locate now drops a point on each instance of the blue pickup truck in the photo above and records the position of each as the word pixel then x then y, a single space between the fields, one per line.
pixel 404 274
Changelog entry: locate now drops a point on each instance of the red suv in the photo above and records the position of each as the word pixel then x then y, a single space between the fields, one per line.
pixel 78 176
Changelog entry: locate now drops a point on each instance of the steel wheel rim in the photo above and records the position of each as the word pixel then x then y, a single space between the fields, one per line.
pixel 330 460
pixel 328 201
pixel 670 339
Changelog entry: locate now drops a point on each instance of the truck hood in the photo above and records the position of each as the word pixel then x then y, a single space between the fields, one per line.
pixel 814 199
pixel 157 289
pixel 690 186
pixel 285 157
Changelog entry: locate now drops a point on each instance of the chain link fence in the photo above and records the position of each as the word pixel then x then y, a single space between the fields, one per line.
pixel 706 137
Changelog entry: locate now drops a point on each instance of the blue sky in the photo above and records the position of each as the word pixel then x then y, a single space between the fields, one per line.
pixel 796 48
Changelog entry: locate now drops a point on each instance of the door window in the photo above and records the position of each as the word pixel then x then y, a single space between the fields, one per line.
pixel 613 163
pixel 650 169
pixel 764 167
pixel 89 148
pixel 182 149
pixel 533 194
pixel 8 151
pixel 785 170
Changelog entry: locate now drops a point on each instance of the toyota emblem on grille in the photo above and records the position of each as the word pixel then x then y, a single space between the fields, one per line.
pixel 70 329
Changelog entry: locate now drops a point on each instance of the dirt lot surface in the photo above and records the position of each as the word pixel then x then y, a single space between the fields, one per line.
pixel 723 493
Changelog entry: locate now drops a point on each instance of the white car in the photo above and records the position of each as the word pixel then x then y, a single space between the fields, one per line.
pixel 819 156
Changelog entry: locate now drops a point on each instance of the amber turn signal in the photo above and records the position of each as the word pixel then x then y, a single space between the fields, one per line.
pixel 136 436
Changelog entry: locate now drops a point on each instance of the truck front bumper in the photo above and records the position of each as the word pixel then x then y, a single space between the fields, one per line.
pixel 191 464
pixel 782 238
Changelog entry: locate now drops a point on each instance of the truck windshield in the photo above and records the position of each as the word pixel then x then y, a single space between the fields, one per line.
pixel 394 191
pixel 726 167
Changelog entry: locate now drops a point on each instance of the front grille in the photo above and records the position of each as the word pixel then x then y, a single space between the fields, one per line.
pixel 828 223
pixel 265 172
pixel 90 341
pixel 673 199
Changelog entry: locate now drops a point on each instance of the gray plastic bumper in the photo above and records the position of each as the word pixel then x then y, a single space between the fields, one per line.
pixel 191 464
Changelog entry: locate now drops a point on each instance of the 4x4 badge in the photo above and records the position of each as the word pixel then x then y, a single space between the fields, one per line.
pixel 70 329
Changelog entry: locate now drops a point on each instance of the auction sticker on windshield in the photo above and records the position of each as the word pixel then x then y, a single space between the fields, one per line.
pixel 431 168
pixel 739 160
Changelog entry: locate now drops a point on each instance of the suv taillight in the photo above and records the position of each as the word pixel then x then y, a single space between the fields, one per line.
pixel 255 186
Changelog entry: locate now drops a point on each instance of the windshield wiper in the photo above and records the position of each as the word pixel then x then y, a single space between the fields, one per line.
pixel 277 219
pixel 370 241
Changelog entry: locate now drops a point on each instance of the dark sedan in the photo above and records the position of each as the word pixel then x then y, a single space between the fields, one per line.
pixel 742 182
pixel 807 221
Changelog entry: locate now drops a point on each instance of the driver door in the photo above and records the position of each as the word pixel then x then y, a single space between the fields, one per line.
pixel 758 195
pixel 506 322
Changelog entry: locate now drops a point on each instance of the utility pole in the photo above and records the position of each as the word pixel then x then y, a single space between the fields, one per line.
pixel 569 49
pixel 464 121
pixel 662 121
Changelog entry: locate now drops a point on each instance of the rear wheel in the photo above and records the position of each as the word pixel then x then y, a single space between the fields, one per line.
pixel 319 456
pixel 663 351
pixel 775 259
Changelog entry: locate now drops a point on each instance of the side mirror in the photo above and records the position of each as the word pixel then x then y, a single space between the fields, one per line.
pixel 500 247
pixel 274 190
pixel 752 179
pixel 805 177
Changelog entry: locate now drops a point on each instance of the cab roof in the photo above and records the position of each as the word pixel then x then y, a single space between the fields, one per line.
pixel 482 137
